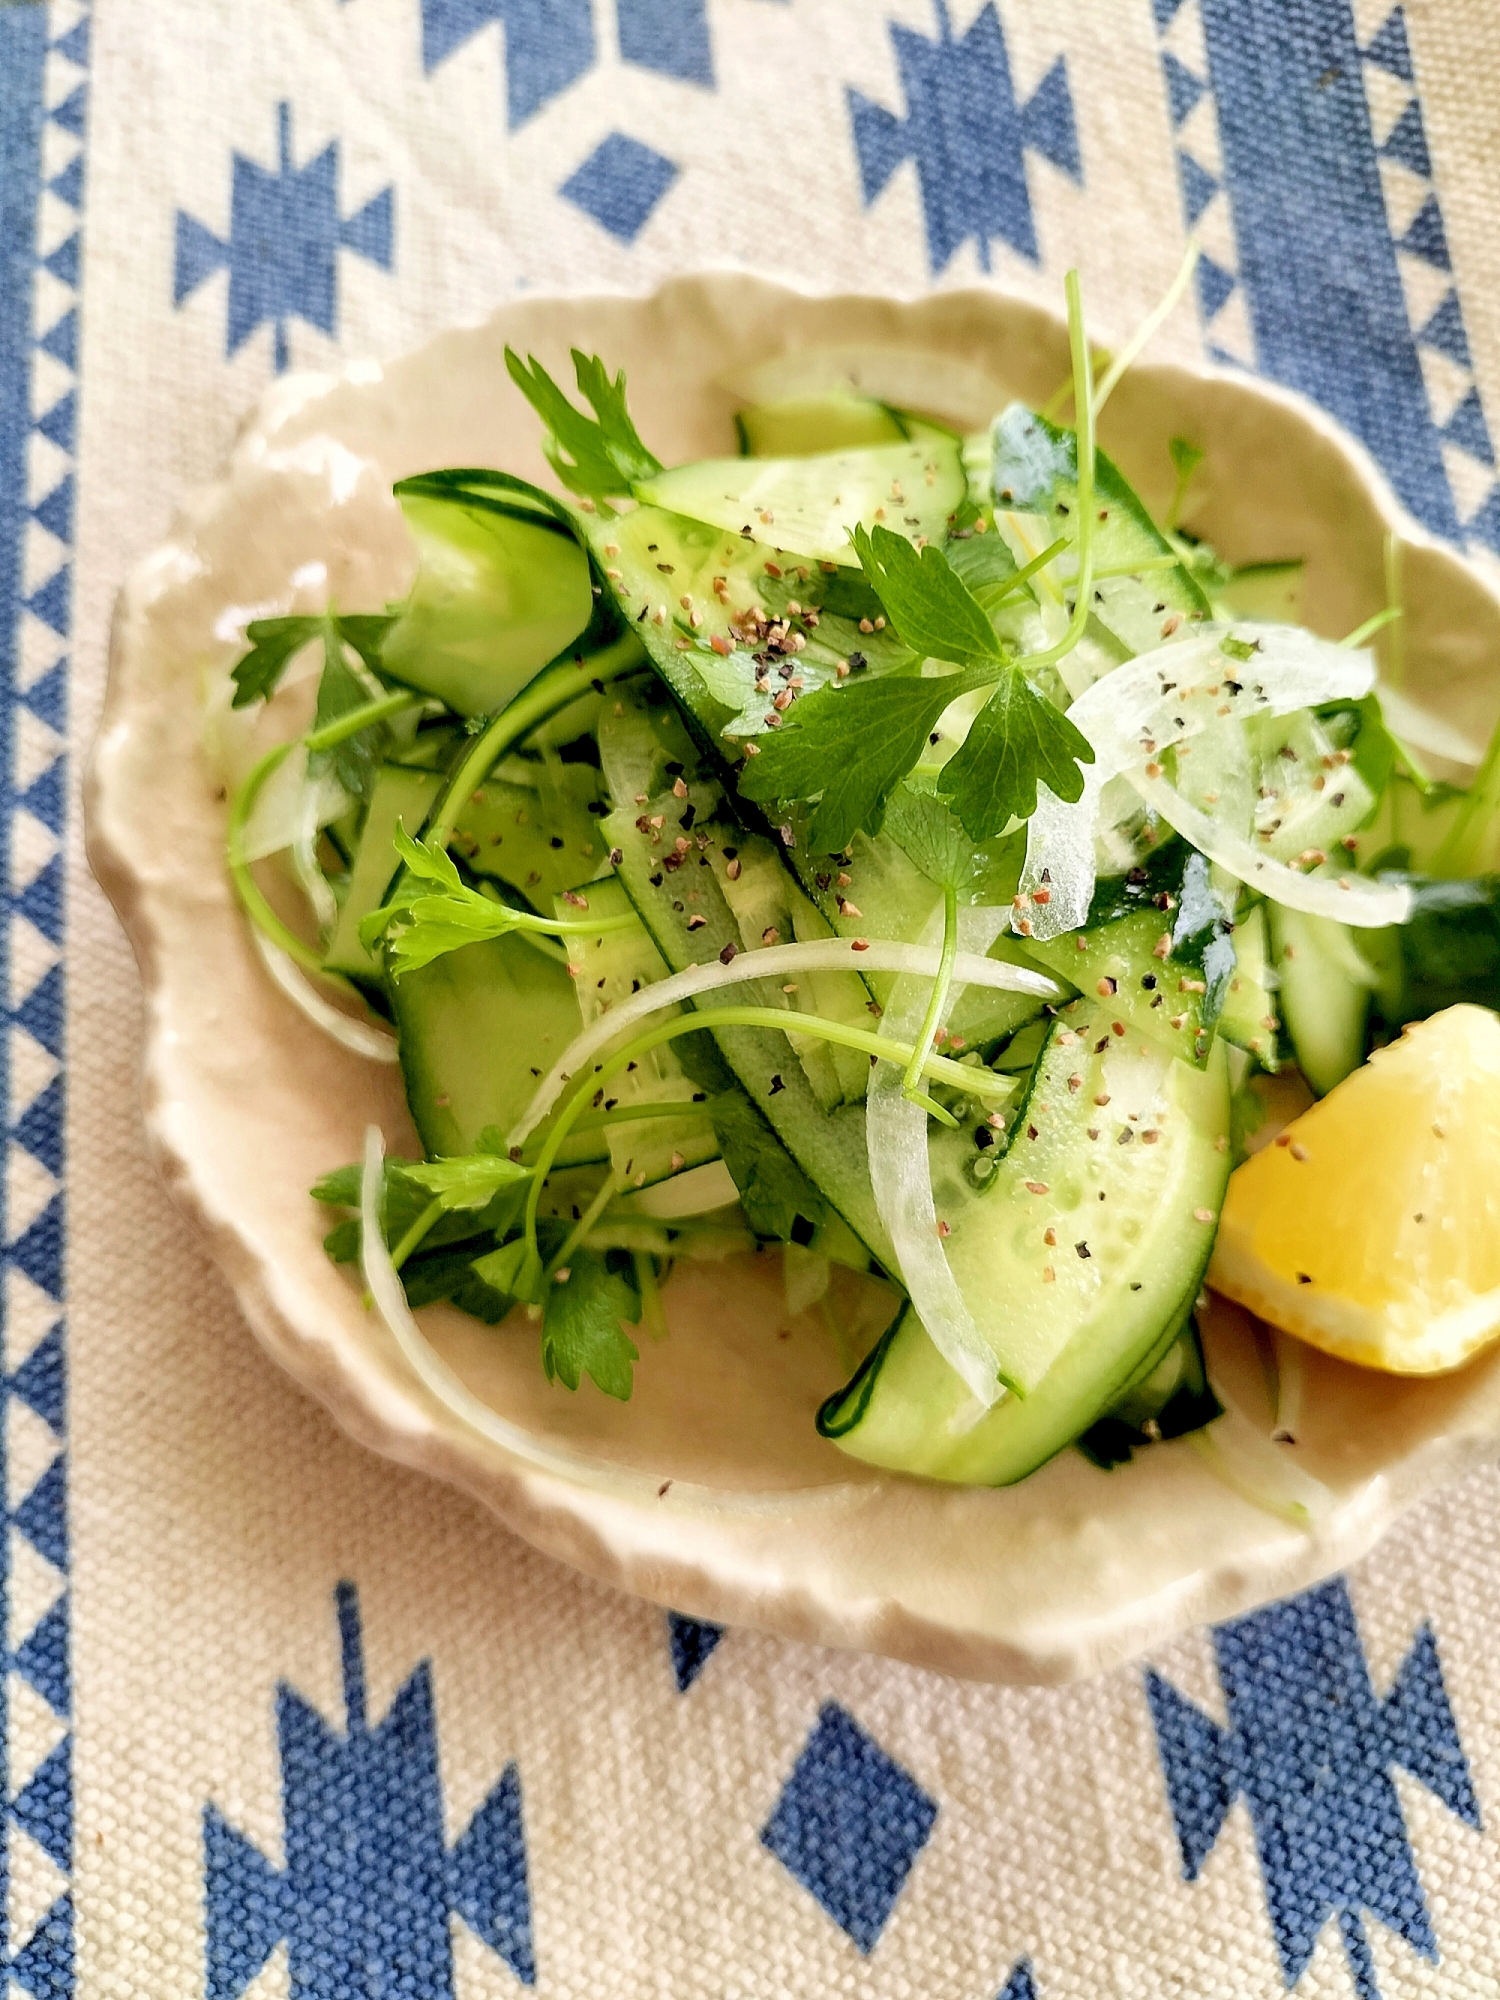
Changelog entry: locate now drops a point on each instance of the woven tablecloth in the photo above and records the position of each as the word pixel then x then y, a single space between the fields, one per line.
pixel 280 1719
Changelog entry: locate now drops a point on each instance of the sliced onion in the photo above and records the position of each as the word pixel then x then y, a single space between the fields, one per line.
pixel 305 862
pixel 385 1288
pixel 290 801
pixel 1240 1455
pixel 361 1037
pixel 1425 731
pixel 815 955
pixel 1291 1381
pixel 1156 701
pixel 900 1176
pixel 1347 899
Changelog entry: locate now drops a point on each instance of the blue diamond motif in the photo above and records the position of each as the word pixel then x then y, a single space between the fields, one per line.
pixel 619 184
pixel 849 1824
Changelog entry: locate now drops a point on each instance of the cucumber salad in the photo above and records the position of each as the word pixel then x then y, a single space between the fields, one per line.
pixel 887 848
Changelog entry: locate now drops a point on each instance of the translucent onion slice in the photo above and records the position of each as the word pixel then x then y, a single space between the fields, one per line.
pixel 1425 731
pixel 816 955
pixel 290 802
pixel 1347 899
pixel 385 1289
pixel 1155 702
pixel 1240 1454
pixel 900 1176
pixel 603 1474
pixel 362 1037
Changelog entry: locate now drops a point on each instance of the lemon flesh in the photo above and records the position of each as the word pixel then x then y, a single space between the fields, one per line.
pixel 1371 1228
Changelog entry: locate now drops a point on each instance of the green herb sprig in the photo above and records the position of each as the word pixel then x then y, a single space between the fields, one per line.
pixel 435 911
pixel 848 747
pixel 600 457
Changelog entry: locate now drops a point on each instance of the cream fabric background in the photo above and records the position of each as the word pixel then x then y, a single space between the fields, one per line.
pixel 213 1510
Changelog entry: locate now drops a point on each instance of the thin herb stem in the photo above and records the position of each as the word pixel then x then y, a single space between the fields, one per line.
pixel 1464 842
pixel 1028 570
pixel 1083 387
pixel 425 1221
pixel 1371 626
pixel 252 900
pixel 938 999
pixel 979 1083
pixel 1130 353
pixel 646 1284
pixel 1178 501
pixel 553 689
pixel 1146 566
pixel 581 1228
pixel 1067 389
pixel 629 1114
pixel 1395 651
pixel 1036 566
pixel 339 731
pixel 550 949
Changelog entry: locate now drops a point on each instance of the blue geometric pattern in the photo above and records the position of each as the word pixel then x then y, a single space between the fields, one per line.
pixel 548 44
pixel 849 1824
pixel 619 184
pixel 44 97
pixel 1021 1985
pixel 669 36
pixel 285 234
pixel 691 1641
pixel 1311 1746
pixel 968 135
pixel 364 1898
pixel 1340 259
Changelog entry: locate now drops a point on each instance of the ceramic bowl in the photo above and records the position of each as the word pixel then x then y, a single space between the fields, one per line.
pixel 710 1492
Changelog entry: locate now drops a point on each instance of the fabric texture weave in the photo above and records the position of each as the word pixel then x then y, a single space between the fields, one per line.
pixel 282 1720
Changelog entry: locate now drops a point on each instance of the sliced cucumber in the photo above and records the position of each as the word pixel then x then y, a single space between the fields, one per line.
pixel 881 893
pixel 770 907
pixel 1325 995
pixel 1449 951
pixel 401 797
pixel 811 505
pixel 606 969
pixel 1269 590
pixel 496 597
pixel 538 835
pixel 1249 1017
pixel 805 425
pixel 1157 948
pixel 1035 478
pixel 907 1410
pixel 1168 1399
pixel 1091 1151
pixel 681 902
pixel 479 1028
pixel 1311 794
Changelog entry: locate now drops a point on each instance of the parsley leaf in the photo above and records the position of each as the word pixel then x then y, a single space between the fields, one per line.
pixel 274 643
pixel 1017 738
pixel 601 456
pixel 340 693
pixel 931 837
pixel 848 747
pixel 451 1276
pixel 365 631
pixel 470 1180
pixel 583 1326
pixel 933 609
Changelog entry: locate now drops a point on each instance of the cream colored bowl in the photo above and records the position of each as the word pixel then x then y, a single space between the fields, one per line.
pixel 711 1492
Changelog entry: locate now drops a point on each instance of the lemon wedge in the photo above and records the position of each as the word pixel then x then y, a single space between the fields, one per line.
pixel 1371 1228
